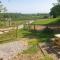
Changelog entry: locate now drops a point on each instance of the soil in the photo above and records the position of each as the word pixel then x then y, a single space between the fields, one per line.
pixel 8 50
pixel 47 49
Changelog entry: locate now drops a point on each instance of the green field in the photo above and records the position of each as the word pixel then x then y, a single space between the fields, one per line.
pixel 46 21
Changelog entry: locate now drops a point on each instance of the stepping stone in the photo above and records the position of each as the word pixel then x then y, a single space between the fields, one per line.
pixel 1 32
pixel 6 31
pixel 58 52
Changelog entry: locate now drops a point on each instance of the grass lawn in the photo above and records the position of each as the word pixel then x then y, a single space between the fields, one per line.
pixel 45 21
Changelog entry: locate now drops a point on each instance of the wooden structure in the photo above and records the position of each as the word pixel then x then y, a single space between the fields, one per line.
pixel 57 39
pixel 36 27
pixel 55 28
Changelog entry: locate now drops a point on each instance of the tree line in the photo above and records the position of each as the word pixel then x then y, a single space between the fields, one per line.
pixel 55 12
pixel 19 16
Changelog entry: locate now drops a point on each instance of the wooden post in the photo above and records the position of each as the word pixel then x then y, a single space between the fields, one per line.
pixel 24 25
pixel 34 27
pixel 16 31
pixel 29 27
pixel 9 23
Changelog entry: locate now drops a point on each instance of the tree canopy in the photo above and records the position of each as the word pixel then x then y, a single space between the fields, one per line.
pixel 55 11
pixel 2 8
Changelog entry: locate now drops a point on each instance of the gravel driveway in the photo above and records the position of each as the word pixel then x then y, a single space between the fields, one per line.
pixel 8 50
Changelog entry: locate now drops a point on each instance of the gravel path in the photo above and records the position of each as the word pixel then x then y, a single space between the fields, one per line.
pixel 8 50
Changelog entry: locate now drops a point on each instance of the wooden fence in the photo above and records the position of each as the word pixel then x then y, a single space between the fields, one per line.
pixel 38 27
pixel 34 27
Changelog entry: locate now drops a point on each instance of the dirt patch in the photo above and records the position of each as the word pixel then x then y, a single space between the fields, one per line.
pixel 36 56
pixel 48 51
pixel 8 50
pixel 37 27
pixel 51 50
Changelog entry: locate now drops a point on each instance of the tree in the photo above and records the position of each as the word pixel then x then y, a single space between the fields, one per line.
pixel 2 8
pixel 58 1
pixel 55 11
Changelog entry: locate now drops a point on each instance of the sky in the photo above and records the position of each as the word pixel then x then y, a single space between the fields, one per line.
pixel 28 6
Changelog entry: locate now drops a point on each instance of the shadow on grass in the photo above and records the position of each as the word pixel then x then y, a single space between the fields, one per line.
pixel 44 36
pixel 41 36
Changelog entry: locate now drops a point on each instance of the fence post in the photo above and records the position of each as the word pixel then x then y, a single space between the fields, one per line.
pixel 28 26
pixel 24 25
pixel 16 31
pixel 34 27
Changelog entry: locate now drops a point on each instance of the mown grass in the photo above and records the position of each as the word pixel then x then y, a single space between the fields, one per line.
pixel 46 21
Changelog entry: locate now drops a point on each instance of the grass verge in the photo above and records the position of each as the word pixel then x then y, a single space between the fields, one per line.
pixel 46 21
